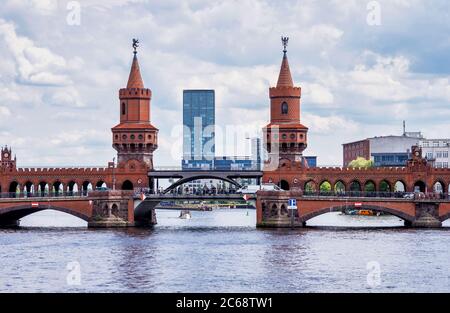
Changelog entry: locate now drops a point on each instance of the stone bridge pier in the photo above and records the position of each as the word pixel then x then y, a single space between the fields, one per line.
pixel 120 208
pixel 273 212
pixel 113 208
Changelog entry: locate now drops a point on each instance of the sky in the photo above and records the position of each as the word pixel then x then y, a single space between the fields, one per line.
pixel 364 67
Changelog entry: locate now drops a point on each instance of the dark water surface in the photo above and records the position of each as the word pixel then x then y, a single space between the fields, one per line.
pixel 222 251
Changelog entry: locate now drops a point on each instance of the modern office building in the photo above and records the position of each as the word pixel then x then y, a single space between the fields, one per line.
pixel 199 128
pixel 311 161
pixel 437 151
pixel 384 150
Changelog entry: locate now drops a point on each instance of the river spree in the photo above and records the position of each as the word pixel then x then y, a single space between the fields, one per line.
pixel 222 251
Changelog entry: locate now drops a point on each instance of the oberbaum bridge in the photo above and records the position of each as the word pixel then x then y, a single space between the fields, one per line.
pixel 24 191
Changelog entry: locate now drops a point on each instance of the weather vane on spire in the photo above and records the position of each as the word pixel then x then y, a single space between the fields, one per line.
pixel 135 45
pixel 284 41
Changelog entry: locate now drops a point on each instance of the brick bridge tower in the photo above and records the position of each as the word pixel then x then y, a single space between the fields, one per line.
pixel 135 138
pixel 7 162
pixel 285 138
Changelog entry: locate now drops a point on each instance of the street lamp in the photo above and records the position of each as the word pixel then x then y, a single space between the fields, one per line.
pixel 113 173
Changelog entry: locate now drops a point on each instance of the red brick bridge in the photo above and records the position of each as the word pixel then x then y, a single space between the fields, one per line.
pixel 112 208
pixel 419 211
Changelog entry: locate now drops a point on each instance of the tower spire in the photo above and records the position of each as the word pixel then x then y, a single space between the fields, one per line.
pixel 285 77
pixel 135 78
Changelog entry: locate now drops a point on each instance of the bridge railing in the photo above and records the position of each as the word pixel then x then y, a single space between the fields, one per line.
pixel 208 169
pixel 379 194
pixel 26 195
pixel 181 193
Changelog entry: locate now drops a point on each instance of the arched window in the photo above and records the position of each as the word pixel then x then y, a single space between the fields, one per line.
pixel 123 108
pixel 284 108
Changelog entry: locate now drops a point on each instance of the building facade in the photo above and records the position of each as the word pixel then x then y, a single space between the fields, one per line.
pixel 383 150
pixel 437 151
pixel 198 128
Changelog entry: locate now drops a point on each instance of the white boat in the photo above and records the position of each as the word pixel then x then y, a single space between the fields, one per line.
pixel 185 214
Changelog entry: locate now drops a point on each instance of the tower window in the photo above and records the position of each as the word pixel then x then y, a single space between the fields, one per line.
pixel 141 137
pixel 124 109
pixel 132 136
pixel 284 108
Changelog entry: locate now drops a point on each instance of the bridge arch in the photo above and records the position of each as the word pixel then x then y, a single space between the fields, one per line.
pixel 72 186
pixel 339 186
pixel 325 186
pixel 101 183
pixel 310 186
pixel 58 187
pixel 355 185
pixel 399 186
pixel 384 186
pixel 127 185
pixel 14 186
pixel 202 176
pixel 17 212
pixel 86 186
pixel 406 217
pixel 43 188
pixel 420 186
pixel 284 185
pixel 439 187
pixel 28 187
pixel 369 186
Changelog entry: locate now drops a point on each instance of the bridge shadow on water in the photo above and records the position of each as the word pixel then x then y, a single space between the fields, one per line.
pixel 220 221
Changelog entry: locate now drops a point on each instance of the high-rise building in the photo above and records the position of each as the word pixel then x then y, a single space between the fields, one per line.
pixel 199 128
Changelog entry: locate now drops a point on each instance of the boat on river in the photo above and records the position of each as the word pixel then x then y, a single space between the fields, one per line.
pixel 185 214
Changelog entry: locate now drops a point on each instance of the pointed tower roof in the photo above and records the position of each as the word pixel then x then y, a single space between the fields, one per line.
pixel 285 78
pixel 135 79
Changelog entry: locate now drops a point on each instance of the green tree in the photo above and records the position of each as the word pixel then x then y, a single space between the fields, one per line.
pixel 325 187
pixel 361 162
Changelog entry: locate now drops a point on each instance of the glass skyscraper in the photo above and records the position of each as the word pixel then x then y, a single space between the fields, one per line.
pixel 199 128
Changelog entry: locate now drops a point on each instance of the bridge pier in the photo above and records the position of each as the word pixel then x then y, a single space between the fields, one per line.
pixel 427 215
pixel 114 208
pixel 272 210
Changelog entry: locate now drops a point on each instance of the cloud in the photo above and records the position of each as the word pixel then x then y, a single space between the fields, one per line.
pixel 35 65
pixel 4 112
pixel 67 97
pixel 61 82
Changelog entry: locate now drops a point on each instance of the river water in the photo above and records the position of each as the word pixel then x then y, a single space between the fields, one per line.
pixel 222 251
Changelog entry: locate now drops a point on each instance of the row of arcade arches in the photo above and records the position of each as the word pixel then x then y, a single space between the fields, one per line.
pixel 368 186
pixel 58 187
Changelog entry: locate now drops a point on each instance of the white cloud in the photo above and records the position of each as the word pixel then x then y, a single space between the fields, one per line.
pixel 35 65
pixel 4 112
